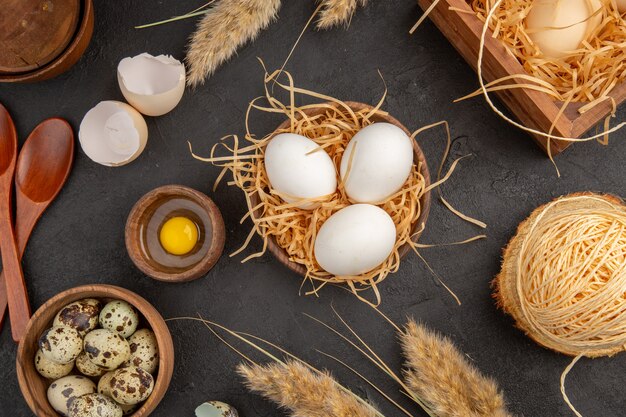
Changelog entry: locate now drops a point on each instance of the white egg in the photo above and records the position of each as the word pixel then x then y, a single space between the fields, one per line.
pixel 376 163
pixel 355 240
pixel 298 170
pixel 154 85
pixel 559 27
pixel 113 133
pixel 621 6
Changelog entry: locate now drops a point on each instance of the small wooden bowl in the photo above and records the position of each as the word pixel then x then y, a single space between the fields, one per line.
pixel 418 157
pixel 34 386
pixel 66 59
pixel 140 216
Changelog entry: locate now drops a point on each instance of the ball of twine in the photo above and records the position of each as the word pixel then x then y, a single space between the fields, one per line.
pixel 563 276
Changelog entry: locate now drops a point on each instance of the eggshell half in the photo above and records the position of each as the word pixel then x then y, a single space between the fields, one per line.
pixel 355 240
pixel 113 133
pixel 376 163
pixel 154 85
pixel 298 169
pixel 558 27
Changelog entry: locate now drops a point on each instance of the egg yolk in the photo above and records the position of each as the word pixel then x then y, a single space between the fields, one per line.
pixel 179 235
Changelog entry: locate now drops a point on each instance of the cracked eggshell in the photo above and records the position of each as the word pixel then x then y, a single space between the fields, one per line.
pixel 62 392
pixel 154 85
pixel 106 349
pixel 94 405
pixel 61 344
pixel 216 409
pixel 49 369
pixel 113 133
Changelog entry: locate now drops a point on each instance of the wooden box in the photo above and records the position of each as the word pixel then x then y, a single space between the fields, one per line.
pixel 536 110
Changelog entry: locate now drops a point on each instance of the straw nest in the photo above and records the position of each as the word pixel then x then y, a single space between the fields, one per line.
pixel 290 232
pixel 563 276
pixel 588 75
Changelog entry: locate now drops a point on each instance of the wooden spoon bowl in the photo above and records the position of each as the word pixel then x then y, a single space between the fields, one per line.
pixel 34 386
pixel 418 158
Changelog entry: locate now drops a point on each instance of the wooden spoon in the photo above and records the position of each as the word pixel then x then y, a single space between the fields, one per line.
pixel 43 166
pixel 19 309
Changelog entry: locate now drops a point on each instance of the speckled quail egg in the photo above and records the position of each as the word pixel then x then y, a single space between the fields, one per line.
pixel 61 344
pixel 62 392
pixel 86 367
pixel 50 369
pixel 131 385
pixel 104 388
pixel 81 315
pixel 106 349
pixel 216 409
pixel 120 317
pixel 144 350
pixel 94 405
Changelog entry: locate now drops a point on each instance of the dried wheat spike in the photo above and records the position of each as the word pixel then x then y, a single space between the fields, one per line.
pixel 337 12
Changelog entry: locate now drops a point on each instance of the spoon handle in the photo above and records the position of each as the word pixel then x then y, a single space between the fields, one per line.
pixel 19 308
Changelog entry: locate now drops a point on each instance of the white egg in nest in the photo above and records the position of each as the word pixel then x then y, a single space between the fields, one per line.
pixel 559 27
pixel 154 85
pixel 355 240
pixel 113 133
pixel 298 169
pixel 376 163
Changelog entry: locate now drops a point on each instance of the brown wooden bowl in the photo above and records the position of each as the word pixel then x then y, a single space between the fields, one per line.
pixel 418 157
pixel 34 386
pixel 140 216
pixel 68 57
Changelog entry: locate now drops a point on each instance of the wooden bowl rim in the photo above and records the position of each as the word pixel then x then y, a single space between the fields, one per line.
pixel 70 55
pixel 282 255
pixel 216 246
pixel 147 310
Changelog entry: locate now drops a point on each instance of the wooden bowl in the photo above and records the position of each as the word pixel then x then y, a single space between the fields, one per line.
pixel 34 386
pixel 69 55
pixel 139 219
pixel 418 157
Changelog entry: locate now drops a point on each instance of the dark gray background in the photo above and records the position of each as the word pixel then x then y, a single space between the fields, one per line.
pixel 81 238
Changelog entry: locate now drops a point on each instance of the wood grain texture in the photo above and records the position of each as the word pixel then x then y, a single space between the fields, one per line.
pixel 43 166
pixel 418 157
pixel 35 32
pixel 19 308
pixel 533 109
pixel 34 386
pixel 141 214
pixel 70 55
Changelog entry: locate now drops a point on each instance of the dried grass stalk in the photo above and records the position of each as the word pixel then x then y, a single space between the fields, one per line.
pixel 303 392
pixel 587 75
pixel 337 12
pixel 225 28
pixel 440 375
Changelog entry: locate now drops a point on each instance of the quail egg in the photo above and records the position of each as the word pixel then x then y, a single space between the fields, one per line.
pixel 106 349
pixel 50 369
pixel 131 385
pixel 94 405
pixel 144 350
pixel 81 315
pixel 61 344
pixel 62 392
pixel 120 317
pixel 216 409
pixel 86 367
pixel 104 388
